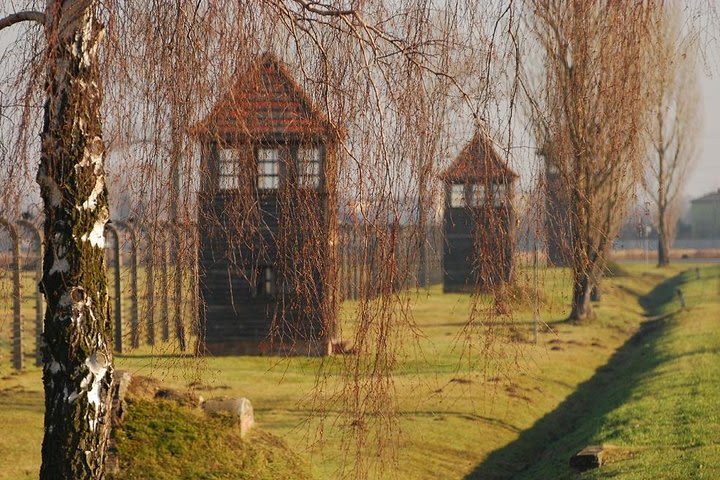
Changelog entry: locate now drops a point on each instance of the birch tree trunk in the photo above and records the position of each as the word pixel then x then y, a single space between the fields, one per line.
pixel 77 372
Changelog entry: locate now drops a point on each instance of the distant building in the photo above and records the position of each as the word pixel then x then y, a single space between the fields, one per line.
pixel 705 216
pixel 479 219
pixel 267 218
pixel 558 222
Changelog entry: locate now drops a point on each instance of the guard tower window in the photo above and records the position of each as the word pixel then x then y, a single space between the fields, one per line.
pixel 308 167
pixel 457 195
pixel 267 282
pixel 478 195
pixel 268 161
pixel 498 190
pixel 228 174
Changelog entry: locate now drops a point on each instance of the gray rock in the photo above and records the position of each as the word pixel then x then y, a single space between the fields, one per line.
pixel 121 383
pixel 123 379
pixel 588 458
pixel 239 407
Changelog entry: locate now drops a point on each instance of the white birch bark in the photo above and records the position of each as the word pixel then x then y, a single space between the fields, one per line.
pixel 77 370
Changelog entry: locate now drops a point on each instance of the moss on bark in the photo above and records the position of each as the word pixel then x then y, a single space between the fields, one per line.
pixel 78 352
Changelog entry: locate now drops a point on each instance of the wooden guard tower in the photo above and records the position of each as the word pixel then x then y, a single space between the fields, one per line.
pixel 267 218
pixel 479 219
pixel 558 223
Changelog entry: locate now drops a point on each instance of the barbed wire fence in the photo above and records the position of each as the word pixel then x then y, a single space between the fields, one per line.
pixel 154 294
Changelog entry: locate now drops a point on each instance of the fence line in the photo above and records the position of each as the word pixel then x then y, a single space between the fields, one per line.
pixel 359 255
pixel 149 285
pixel 16 296
pixel 134 321
pixel 117 297
pixel 359 252
pixel 39 309
pixel 174 233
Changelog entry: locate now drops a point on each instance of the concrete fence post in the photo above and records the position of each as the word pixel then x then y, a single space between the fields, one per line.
pixel 174 230
pixel 16 296
pixel 358 265
pixel 195 280
pixel 134 323
pixel 39 308
pixel 340 270
pixel 164 287
pixel 681 298
pixel 118 326
pixel 343 264
pixel 149 286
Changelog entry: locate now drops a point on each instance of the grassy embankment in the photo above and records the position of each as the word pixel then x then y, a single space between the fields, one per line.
pixel 454 409
pixel 654 404
pixel 163 440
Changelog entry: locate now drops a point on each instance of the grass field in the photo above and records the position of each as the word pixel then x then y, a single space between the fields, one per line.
pixel 467 407
pixel 654 404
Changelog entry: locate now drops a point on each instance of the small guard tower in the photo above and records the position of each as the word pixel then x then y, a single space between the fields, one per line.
pixel 479 219
pixel 558 222
pixel 267 208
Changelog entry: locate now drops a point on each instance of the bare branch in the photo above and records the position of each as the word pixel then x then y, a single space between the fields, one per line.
pixel 26 16
pixel 324 9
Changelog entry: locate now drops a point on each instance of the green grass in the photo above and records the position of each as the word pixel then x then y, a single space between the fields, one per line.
pixel 162 440
pixel 654 403
pixel 465 397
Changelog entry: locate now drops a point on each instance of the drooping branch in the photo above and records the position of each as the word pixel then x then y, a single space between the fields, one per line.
pixel 325 9
pixel 26 16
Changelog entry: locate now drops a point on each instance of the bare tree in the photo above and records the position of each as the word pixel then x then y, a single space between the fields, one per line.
pixel 675 123
pixel 589 110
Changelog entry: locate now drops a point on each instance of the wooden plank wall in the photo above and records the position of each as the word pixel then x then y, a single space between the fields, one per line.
pixel 361 251
pixel 478 248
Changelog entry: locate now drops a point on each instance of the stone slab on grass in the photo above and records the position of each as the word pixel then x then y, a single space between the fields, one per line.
pixel 239 407
pixel 588 458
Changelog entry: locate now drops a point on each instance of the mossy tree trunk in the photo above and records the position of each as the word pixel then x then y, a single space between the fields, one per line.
pixel 661 200
pixel 581 308
pixel 664 234
pixel 77 372
pixel 588 246
pixel 663 250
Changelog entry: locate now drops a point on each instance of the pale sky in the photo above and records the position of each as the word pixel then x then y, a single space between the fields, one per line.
pixel 706 175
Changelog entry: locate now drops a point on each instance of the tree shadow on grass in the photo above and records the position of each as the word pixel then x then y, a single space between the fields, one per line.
pixel 547 446
pixel 656 302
